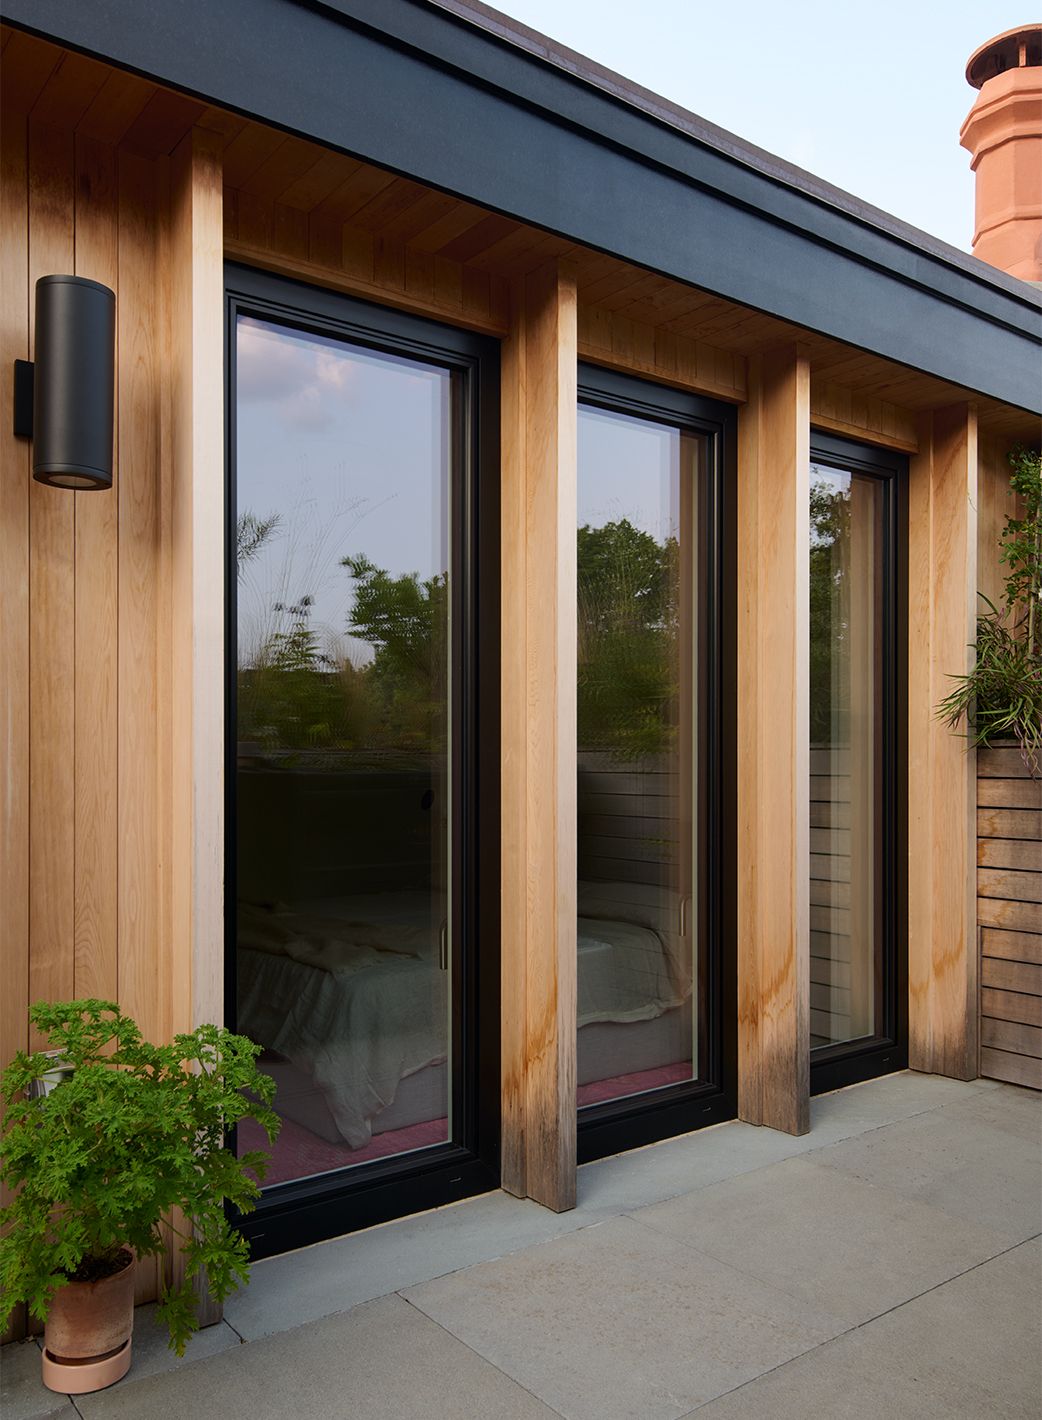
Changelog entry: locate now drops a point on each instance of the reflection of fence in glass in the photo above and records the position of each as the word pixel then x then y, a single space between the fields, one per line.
pixel 845 720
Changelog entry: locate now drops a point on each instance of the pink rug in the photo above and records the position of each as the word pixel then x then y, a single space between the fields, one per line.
pixel 299 1154
pixel 599 1090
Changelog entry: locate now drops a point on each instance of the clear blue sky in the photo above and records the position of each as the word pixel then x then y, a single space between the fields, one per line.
pixel 868 96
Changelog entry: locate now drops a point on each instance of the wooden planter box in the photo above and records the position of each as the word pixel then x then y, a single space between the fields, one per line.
pixel 1009 917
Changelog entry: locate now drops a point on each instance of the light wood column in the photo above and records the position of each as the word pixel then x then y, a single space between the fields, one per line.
pixel 193 507
pixel 538 699
pixel 773 744
pixel 942 608
pixel 191 664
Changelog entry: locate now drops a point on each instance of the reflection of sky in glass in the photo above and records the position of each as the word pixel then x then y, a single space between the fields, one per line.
pixel 628 469
pixel 349 447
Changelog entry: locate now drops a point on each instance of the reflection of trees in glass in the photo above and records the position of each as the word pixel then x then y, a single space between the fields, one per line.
pixel 251 533
pixel 295 696
pixel 406 622
pixel 299 690
pixel 829 614
pixel 628 690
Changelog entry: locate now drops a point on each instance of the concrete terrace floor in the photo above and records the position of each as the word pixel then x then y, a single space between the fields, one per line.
pixel 887 1265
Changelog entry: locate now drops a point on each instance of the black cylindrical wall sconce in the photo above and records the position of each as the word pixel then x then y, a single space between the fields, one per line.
pixel 73 383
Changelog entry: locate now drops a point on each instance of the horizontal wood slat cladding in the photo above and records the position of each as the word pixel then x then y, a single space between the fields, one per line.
pixel 1020 853
pixel 1009 823
pixel 1014 1069
pixel 88 859
pixel 1012 946
pixel 1003 975
pixel 1023 1007
pixel 1009 916
pixel 1010 794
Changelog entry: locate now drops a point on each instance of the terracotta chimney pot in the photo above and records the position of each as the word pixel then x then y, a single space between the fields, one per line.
pixel 1003 132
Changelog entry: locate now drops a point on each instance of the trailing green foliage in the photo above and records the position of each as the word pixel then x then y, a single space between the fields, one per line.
pixel 1001 697
pixel 105 1158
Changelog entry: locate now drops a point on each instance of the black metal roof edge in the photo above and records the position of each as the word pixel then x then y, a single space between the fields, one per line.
pixel 761 160
pixel 740 171
pixel 420 91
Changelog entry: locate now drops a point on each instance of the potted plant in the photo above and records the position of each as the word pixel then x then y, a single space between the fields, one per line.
pixel 1001 698
pixel 127 1148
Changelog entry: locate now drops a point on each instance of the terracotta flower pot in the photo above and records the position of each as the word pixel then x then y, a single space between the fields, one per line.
pixel 87 1334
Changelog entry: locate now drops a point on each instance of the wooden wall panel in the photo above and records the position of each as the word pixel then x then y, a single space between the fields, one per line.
pixel 773 747
pixel 608 338
pixel 142 987
pixel 52 590
pixel 538 692
pixel 96 628
pixel 942 955
pixel 844 410
pixel 194 477
pixel 995 503
pixel 14 604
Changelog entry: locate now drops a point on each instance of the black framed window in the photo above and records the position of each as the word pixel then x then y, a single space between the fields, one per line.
pixel 362 764
pixel 857 758
pixel 654 762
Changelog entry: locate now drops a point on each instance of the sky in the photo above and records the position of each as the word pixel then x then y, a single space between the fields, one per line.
pixel 870 97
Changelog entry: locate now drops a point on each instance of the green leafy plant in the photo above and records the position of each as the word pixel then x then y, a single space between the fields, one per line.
pixel 1001 697
pixel 130 1143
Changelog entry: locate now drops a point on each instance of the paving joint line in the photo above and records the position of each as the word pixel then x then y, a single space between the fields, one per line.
pixel 859 1326
pixel 487 1360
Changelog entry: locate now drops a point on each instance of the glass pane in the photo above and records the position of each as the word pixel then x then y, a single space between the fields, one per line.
pixel 846 715
pixel 343 702
pixel 637 763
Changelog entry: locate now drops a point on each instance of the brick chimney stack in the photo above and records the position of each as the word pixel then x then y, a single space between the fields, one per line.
pixel 1003 132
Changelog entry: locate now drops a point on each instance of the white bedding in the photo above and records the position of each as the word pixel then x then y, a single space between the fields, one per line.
pixel 350 991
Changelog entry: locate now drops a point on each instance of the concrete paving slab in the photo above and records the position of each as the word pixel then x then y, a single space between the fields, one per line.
pixel 618 1323
pixel 832 1240
pixel 23 1395
pixel 1008 1107
pixel 153 1357
pixel 644 1176
pixel 876 1103
pixel 969 1350
pixel 334 1276
pixel 983 1173
pixel 382 1361
pixel 637 1179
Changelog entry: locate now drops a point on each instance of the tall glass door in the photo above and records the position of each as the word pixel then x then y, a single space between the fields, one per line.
pixel 650 958
pixel 854 820
pixel 352 704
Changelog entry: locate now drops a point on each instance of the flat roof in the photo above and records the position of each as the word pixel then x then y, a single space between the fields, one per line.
pixel 461 98
pixel 505 27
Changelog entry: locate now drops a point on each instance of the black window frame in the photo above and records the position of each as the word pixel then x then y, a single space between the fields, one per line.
pixel 632 1121
pixel 849 1062
pixel 297 1213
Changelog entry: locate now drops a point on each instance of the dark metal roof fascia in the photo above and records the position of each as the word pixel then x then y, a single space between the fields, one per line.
pixel 439 97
